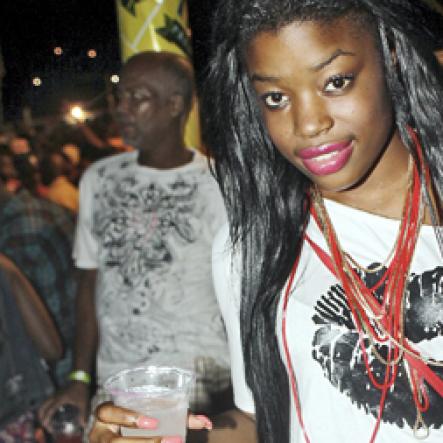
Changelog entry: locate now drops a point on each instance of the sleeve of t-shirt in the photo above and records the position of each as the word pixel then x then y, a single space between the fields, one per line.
pixel 211 195
pixel 85 244
pixel 219 217
pixel 227 287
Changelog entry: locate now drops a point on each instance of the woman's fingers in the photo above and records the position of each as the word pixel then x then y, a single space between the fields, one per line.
pixel 110 417
pixel 111 414
pixel 107 433
pixel 199 422
pixel 103 433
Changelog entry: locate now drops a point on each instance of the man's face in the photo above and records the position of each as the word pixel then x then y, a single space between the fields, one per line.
pixel 144 111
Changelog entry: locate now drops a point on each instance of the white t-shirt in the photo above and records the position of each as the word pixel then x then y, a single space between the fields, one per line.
pixel 338 402
pixel 149 233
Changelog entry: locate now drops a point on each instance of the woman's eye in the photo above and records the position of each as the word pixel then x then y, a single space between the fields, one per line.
pixel 275 100
pixel 338 83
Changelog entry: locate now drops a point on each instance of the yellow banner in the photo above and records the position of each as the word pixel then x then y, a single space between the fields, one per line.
pixel 158 25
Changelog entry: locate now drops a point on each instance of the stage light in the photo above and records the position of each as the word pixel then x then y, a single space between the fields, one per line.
pixel 115 78
pixel 37 81
pixel 78 113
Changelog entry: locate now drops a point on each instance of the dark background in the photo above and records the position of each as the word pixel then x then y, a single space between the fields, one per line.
pixel 31 29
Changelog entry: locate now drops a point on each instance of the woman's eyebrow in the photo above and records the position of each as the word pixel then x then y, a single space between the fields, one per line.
pixel 317 67
pixel 337 53
pixel 263 78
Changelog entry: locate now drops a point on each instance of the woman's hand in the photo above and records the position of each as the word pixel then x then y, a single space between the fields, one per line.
pixel 109 418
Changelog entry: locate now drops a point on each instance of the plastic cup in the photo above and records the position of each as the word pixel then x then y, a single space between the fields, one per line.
pixel 65 424
pixel 155 391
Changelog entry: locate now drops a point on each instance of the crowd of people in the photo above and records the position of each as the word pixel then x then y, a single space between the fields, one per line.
pixel 298 263
pixel 39 174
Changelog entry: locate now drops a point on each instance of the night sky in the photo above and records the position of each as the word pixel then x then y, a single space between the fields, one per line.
pixel 31 29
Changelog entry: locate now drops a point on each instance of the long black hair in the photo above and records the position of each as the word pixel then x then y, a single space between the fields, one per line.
pixel 266 197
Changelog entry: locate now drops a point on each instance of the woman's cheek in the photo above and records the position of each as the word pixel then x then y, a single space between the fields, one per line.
pixel 280 130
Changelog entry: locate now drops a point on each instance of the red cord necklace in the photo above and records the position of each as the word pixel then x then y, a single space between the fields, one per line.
pixel 380 322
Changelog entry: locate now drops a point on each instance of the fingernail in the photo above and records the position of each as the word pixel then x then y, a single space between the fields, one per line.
pixel 207 424
pixel 172 440
pixel 146 422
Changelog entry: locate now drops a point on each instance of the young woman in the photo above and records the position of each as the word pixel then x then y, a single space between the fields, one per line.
pixel 325 121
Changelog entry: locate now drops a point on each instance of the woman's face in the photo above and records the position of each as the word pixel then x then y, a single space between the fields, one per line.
pixel 324 99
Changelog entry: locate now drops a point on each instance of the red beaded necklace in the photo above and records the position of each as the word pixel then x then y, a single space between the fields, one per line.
pixel 381 323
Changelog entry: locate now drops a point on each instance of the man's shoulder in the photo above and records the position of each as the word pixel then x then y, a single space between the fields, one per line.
pixel 200 165
pixel 109 165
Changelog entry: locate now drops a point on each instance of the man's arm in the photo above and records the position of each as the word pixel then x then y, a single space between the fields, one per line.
pixel 86 334
pixel 86 329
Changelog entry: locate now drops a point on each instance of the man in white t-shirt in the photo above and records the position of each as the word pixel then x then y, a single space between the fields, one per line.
pixel 143 244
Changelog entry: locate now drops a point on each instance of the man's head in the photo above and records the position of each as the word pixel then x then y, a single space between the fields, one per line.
pixel 155 96
pixel 7 168
pixel 53 165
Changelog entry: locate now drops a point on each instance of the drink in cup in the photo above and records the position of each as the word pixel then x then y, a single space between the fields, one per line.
pixel 155 391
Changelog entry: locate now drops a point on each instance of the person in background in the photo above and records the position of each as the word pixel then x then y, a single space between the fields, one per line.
pixel 56 170
pixel 28 341
pixel 19 145
pixel 8 173
pixel 73 154
pixel 37 235
pixel 29 175
pixel 145 228
pixel 325 121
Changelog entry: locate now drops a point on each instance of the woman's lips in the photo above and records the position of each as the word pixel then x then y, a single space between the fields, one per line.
pixel 326 159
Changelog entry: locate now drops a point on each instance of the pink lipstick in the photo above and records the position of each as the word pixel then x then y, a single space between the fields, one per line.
pixel 326 159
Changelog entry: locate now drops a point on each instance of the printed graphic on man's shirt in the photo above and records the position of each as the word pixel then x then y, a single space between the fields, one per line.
pixel 137 224
pixel 336 347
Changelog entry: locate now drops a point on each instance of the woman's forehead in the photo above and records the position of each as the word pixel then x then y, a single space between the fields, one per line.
pixel 310 42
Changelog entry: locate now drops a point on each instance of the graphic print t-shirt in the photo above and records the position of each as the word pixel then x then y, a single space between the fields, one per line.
pixel 339 403
pixel 149 233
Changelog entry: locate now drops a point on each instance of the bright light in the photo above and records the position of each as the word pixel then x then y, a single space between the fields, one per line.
pixel 37 81
pixel 78 113
pixel 58 50
pixel 115 78
pixel 92 53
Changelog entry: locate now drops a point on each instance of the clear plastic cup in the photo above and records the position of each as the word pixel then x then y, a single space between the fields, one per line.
pixel 65 425
pixel 155 391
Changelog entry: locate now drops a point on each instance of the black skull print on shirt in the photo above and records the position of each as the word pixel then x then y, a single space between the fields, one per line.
pixel 336 347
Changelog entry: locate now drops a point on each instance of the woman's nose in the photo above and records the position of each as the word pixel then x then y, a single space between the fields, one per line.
pixel 312 117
